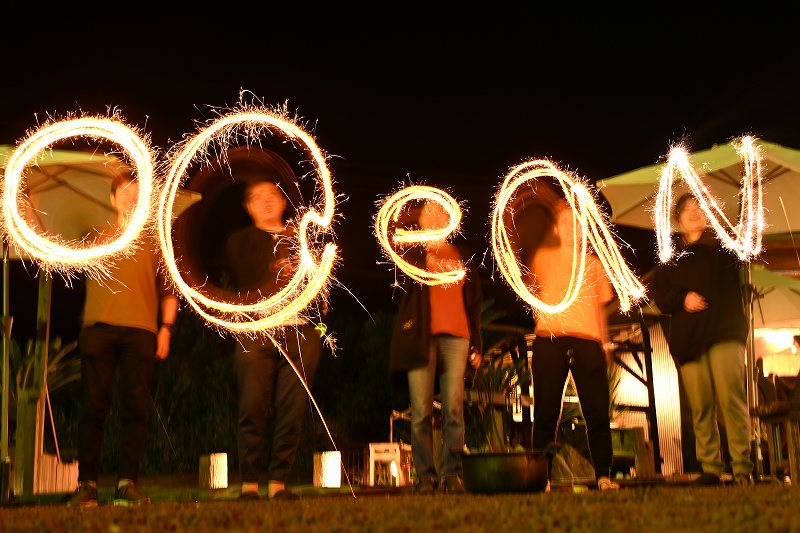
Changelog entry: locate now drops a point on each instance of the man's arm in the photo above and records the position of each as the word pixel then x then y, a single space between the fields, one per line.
pixel 169 312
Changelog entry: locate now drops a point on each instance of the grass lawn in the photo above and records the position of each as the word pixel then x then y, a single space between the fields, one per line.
pixel 179 506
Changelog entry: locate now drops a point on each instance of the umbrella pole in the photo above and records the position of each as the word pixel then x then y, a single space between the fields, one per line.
pixel 5 459
pixel 752 375
pixel 6 354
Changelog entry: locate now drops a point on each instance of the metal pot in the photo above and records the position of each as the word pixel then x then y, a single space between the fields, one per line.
pixel 490 473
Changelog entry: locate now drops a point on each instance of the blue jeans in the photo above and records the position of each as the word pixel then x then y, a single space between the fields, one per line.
pixel 448 355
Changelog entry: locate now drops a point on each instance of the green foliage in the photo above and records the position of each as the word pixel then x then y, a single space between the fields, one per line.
pixel 495 380
pixel 63 365
pixel 63 371
pixel 353 386
pixel 194 403
pixel 192 407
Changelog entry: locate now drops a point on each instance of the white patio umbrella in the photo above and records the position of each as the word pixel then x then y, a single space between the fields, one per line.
pixel 69 192
pixel 776 299
pixel 632 195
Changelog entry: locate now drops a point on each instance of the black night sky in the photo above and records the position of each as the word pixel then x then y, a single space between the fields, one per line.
pixel 452 108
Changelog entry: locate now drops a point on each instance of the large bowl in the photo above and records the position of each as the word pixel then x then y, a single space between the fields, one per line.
pixel 490 473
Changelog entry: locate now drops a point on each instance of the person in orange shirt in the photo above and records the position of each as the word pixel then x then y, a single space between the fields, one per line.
pixel 571 340
pixel 437 332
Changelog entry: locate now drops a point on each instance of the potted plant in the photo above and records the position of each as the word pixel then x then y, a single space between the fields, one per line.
pixel 492 461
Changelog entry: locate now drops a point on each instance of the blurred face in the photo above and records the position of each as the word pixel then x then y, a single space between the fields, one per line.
pixel 692 219
pixel 265 203
pixel 564 225
pixel 433 216
pixel 125 197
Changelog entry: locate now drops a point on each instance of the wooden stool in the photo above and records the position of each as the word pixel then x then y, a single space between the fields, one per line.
pixel 786 415
pixel 382 455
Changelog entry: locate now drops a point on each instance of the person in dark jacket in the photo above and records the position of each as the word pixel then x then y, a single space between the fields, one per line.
pixel 437 331
pixel 701 290
pixel 260 263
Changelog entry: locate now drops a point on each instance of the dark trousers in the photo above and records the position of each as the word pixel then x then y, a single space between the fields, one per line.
pixel 552 360
pixel 266 380
pixel 103 349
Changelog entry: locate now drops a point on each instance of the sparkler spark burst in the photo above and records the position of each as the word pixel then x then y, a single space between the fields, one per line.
pixel 744 239
pixel 51 252
pixel 249 123
pixel 588 224
pixel 389 214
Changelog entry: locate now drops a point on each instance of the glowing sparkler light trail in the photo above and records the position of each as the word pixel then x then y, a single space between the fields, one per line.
pixel 744 239
pixel 310 277
pixel 588 221
pixel 281 308
pixel 50 251
pixel 390 212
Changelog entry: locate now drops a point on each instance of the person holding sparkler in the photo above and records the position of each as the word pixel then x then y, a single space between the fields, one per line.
pixel 121 331
pixel 571 340
pixel 261 263
pixel 437 331
pixel 701 290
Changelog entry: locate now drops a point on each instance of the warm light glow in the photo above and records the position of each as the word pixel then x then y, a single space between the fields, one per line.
pixel 331 470
pixel 218 471
pixel 384 463
pixel 777 350
pixel 516 408
pixel 784 365
pixel 589 225
pixel 631 390
pixel 312 274
pixel 51 252
pixel 389 213
pixel 770 341
pixel 744 238
pixel 779 339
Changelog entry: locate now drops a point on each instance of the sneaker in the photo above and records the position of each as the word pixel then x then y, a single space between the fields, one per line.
pixel 425 486
pixel 454 485
pixel 707 478
pixel 249 495
pixel 85 495
pixel 605 483
pixel 743 480
pixel 128 494
pixel 285 495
